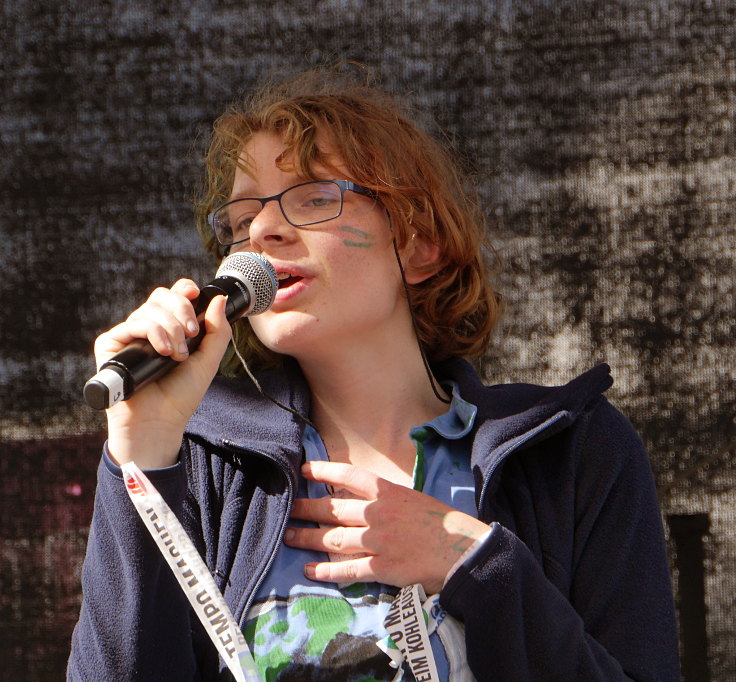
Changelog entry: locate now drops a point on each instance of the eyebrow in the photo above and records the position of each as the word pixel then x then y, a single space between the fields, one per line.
pixel 242 195
pixel 251 195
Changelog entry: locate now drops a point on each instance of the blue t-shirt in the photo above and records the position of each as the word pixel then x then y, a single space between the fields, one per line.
pixel 298 629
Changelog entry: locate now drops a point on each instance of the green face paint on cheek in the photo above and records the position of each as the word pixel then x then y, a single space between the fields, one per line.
pixel 365 239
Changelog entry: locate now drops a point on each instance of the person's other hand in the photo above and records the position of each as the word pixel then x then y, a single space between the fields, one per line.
pixel 407 536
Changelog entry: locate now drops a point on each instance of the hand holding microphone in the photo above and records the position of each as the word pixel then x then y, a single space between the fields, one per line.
pixel 140 352
pixel 249 283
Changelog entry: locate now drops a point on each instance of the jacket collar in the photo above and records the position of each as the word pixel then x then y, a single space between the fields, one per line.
pixel 510 416
pixel 234 414
pixel 515 416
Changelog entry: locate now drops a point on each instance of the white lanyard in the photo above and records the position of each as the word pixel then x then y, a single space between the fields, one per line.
pixel 406 624
pixel 192 574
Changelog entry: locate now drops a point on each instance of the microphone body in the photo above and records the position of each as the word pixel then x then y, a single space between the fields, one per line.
pixel 247 280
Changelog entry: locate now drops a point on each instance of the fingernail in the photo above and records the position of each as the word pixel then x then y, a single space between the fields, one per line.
pixel 289 534
pixel 183 349
pixel 309 571
pixel 192 326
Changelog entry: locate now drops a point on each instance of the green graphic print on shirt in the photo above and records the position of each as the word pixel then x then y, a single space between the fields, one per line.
pixel 320 634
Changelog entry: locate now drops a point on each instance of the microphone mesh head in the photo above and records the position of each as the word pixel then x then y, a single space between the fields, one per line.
pixel 257 274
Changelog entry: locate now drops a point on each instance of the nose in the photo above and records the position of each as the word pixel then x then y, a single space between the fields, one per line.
pixel 270 225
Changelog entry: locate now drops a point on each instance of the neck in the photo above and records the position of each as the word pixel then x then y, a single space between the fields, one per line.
pixel 365 402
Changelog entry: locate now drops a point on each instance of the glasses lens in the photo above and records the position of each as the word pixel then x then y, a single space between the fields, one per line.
pixel 232 221
pixel 312 202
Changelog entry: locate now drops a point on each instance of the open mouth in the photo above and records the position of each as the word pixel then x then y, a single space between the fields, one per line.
pixel 286 280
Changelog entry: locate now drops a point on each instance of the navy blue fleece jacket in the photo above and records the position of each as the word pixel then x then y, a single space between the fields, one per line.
pixel 571 584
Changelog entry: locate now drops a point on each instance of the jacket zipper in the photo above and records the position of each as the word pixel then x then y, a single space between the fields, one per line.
pixel 282 529
pixel 511 449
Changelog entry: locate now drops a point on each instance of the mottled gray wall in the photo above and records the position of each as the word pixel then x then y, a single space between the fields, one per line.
pixel 602 138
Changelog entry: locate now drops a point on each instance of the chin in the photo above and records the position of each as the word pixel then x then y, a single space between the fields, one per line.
pixel 284 333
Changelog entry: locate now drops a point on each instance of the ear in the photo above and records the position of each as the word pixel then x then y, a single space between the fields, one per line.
pixel 420 259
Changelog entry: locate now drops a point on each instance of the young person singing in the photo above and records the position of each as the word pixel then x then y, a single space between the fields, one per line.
pixel 367 455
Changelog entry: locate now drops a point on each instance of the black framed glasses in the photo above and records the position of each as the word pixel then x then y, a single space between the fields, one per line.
pixel 307 203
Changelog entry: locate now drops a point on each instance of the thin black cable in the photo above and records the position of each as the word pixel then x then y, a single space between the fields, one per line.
pixel 415 325
pixel 257 384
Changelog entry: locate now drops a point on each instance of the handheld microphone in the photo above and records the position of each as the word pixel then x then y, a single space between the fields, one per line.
pixel 250 284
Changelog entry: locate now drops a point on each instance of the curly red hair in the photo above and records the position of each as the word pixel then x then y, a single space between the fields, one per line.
pixel 417 180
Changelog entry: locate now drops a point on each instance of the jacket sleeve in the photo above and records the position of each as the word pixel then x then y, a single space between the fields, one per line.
pixel 614 617
pixel 135 621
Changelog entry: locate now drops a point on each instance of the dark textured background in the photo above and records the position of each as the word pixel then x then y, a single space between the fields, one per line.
pixel 602 138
